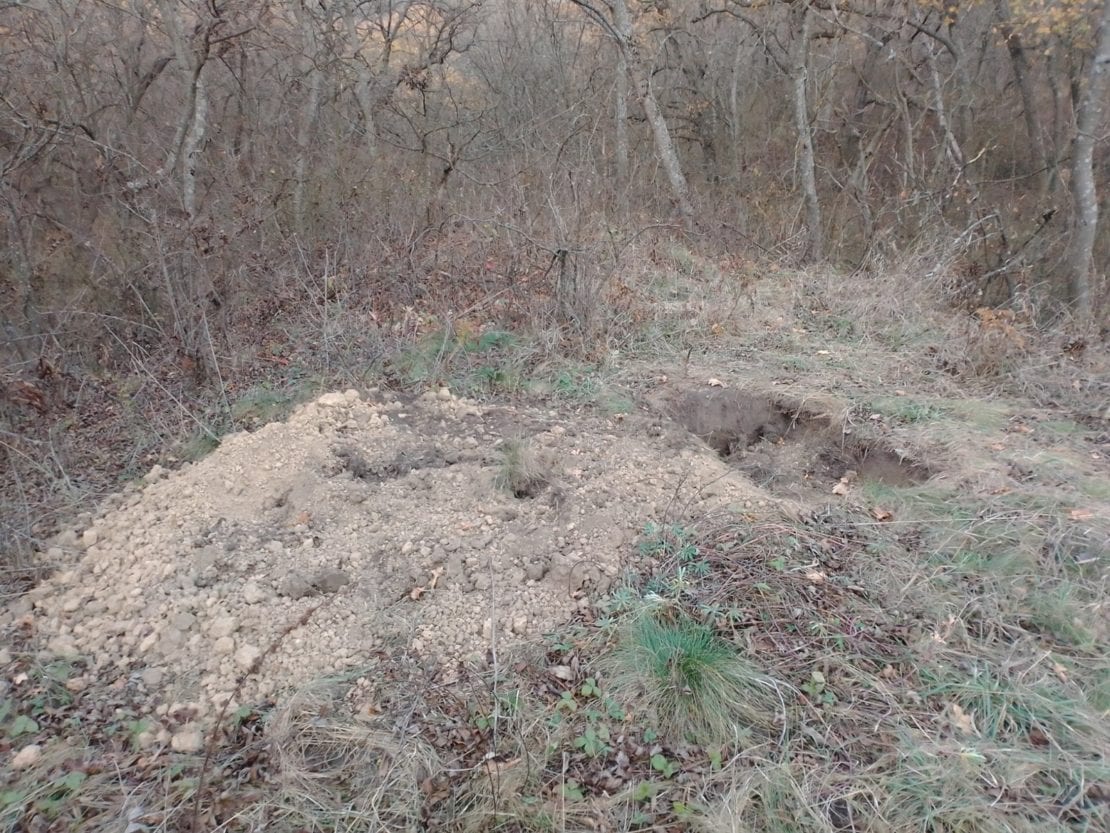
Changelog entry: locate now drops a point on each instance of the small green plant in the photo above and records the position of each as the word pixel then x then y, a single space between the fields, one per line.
pixel 572 790
pixel 22 725
pixel 694 682
pixel 594 741
pixel 566 703
pixel 907 411
pixel 676 544
pixel 668 540
pixel 646 791
pixel 665 767
pixel 816 687
pixel 715 759
pixel 264 403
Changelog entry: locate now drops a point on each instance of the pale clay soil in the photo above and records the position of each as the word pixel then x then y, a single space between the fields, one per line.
pixel 388 515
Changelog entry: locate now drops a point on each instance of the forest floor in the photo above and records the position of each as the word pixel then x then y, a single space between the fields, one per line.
pixel 831 564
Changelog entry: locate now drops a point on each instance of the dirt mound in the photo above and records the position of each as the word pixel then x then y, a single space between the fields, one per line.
pixel 790 449
pixel 393 516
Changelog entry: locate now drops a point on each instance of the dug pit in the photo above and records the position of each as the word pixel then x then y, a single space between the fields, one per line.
pixel 785 447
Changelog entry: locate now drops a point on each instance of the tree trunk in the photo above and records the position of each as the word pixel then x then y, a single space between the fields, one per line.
pixel 1020 64
pixel 191 128
pixel 194 139
pixel 364 82
pixel 663 143
pixel 630 49
pixel 304 136
pixel 799 77
pixel 624 28
pixel 313 80
pixel 1092 107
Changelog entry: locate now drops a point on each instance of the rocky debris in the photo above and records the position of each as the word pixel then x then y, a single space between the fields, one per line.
pixel 297 585
pixel 189 738
pixel 27 757
pixel 185 584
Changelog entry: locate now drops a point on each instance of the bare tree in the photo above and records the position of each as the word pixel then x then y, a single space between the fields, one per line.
pixel 799 80
pixel 617 24
pixel 1090 116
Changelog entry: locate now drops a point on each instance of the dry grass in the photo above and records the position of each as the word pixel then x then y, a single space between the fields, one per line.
pixel 337 771
pixel 939 650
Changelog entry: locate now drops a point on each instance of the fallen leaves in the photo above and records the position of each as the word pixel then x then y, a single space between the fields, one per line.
pixel 961 720
pixel 417 592
pixel 844 485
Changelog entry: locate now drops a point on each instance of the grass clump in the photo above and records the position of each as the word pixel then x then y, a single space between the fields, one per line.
pixel 523 473
pixel 695 684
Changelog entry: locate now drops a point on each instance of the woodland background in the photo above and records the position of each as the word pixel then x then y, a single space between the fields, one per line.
pixel 197 196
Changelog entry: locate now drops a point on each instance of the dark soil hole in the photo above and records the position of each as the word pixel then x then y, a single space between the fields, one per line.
pixel 378 471
pixel 529 489
pixel 875 464
pixel 730 421
pixel 783 448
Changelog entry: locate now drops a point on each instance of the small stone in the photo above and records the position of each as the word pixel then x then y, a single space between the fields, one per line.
pixel 188 738
pixel 443 394
pixel 90 537
pixel 252 593
pixel 145 740
pixel 223 626
pixel 67 539
pixel 246 656
pixel 224 646
pixel 330 581
pixel 26 757
pixel 535 570
pixel 184 621
pixel 155 474
pixel 5 656
pixel 62 646
pixel 296 586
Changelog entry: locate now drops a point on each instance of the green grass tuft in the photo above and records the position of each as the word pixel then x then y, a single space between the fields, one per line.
pixel 695 684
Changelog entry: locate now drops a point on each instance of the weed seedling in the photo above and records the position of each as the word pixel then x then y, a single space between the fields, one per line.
pixel 816 688
pixel 663 766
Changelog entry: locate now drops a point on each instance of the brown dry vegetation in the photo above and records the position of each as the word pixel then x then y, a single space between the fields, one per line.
pixel 215 210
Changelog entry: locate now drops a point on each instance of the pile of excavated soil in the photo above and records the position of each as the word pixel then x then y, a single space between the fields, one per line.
pixel 391 517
